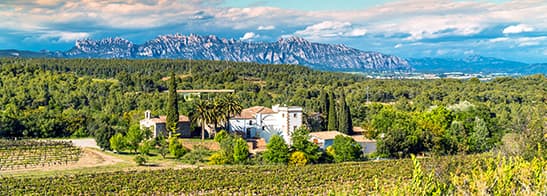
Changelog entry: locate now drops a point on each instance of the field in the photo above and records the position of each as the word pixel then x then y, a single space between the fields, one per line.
pixel 362 177
pixel 34 153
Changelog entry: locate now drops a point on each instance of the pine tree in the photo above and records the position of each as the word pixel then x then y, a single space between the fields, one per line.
pixel 332 121
pixel 344 121
pixel 172 105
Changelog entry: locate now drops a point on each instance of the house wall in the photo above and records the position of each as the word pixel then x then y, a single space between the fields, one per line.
pixel 244 125
pixel 368 147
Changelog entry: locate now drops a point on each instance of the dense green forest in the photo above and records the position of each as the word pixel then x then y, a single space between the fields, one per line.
pixel 93 97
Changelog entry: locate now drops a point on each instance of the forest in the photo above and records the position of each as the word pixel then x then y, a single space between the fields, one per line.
pixel 51 98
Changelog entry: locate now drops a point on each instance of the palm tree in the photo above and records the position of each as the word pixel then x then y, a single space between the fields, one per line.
pixel 204 115
pixel 231 106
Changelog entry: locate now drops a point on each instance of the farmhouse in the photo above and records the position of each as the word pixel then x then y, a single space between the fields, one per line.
pixel 158 125
pixel 325 139
pixel 263 122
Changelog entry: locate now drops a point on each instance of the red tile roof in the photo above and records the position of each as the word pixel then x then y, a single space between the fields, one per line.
pixel 250 113
pixel 163 119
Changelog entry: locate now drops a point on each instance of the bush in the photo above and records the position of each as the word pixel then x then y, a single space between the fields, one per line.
pixel 277 151
pixel 199 154
pixel 145 147
pixel 117 142
pixel 221 135
pixel 241 150
pixel 298 158
pixel 140 159
pixel 346 149
pixel 218 158
pixel 176 148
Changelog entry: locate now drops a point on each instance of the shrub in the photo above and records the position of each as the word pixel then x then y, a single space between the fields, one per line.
pixel 218 158
pixel 277 151
pixel 346 149
pixel 140 159
pixel 176 148
pixel 117 142
pixel 241 150
pixel 298 158
pixel 199 154
pixel 145 147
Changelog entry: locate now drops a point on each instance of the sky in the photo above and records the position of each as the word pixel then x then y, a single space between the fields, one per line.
pixel 511 30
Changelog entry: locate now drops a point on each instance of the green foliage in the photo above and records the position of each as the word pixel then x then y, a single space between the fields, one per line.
pixel 298 158
pixel 198 154
pixel 22 154
pixel 145 147
pixel 219 158
pixel 221 135
pixel 102 137
pixel 162 146
pixel 241 150
pixel 345 149
pixel 300 142
pixel 172 104
pixel 134 137
pixel 344 116
pixel 277 151
pixel 176 148
pixel 140 159
pixel 332 122
pixel 117 142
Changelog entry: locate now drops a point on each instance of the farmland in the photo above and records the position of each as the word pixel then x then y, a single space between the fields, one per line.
pixel 34 153
pixel 373 177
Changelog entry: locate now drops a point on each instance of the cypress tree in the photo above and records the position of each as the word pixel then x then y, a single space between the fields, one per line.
pixel 332 122
pixel 324 107
pixel 172 105
pixel 344 124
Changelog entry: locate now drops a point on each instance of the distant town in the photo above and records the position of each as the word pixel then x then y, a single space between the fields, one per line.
pixel 429 76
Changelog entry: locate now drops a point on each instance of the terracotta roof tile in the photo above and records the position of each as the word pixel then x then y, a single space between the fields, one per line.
pixel 326 135
pixel 250 113
pixel 163 119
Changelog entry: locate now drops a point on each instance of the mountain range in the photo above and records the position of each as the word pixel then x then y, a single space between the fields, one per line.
pixel 289 50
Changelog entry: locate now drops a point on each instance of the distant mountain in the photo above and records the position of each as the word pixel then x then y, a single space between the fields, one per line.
pixel 24 53
pixel 291 50
pixel 474 64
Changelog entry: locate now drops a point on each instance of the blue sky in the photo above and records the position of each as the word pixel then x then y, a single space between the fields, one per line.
pixel 512 30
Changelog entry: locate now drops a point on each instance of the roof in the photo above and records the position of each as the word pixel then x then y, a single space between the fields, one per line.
pixel 326 135
pixel 361 139
pixel 358 130
pixel 163 119
pixel 250 113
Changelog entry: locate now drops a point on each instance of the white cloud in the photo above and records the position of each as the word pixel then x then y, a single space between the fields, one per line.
pixel 517 29
pixel 398 45
pixel 331 29
pixel 531 41
pixel 267 27
pixel 249 36
pixel 64 36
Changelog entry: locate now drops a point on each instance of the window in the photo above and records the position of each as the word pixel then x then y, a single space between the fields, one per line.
pixel 250 122
pixel 282 115
pixel 294 115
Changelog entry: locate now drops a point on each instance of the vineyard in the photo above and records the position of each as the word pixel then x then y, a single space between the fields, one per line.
pixel 17 154
pixel 348 178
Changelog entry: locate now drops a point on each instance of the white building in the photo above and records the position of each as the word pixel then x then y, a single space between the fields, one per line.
pixel 263 122
pixel 325 139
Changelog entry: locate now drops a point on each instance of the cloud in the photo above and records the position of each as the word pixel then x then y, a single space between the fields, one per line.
pixel 328 29
pixel 517 29
pixel 64 36
pixel 398 45
pixel 249 36
pixel 268 27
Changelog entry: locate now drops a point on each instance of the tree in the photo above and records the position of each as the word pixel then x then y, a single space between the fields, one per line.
pixel 241 150
pixel 277 150
pixel 300 142
pixel 176 148
pixel 346 149
pixel 103 135
pixel 172 104
pixel 134 137
pixel 145 147
pixel 344 121
pixel 162 145
pixel 204 115
pixel 332 122
pixel 324 107
pixel 479 138
pixel 231 107
pixel 117 142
